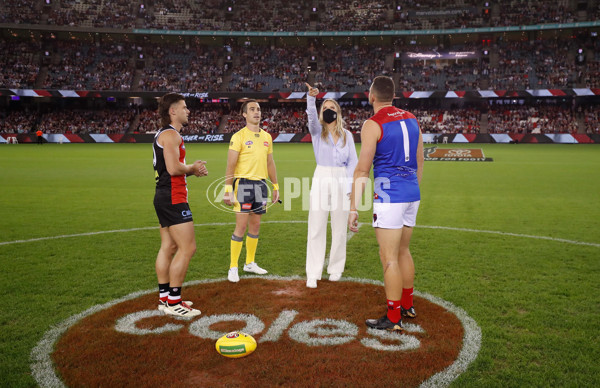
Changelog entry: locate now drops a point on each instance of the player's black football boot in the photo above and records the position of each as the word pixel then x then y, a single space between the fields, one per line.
pixel 408 313
pixel 384 323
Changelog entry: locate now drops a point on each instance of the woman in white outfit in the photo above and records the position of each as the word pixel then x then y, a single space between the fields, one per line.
pixel 332 182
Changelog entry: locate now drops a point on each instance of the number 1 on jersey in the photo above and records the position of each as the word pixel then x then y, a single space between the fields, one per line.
pixel 406 141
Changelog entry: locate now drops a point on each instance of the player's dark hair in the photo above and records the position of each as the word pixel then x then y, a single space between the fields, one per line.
pixel 164 104
pixel 244 108
pixel 383 88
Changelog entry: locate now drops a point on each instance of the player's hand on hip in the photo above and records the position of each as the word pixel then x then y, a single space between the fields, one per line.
pixel 311 91
pixel 353 221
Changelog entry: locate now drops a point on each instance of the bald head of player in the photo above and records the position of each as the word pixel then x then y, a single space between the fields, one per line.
pixel 382 91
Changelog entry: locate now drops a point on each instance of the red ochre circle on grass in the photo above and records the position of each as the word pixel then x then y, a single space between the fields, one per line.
pixel 306 337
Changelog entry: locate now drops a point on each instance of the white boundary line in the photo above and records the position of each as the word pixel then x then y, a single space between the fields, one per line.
pixel 42 367
pixel 597 245
pixel 561 240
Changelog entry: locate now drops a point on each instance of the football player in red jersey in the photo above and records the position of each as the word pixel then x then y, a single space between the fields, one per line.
pixel 392 143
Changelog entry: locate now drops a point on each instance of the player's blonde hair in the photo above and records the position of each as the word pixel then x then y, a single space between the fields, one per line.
pixel 339 122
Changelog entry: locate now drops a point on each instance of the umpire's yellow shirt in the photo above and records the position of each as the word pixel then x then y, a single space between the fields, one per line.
pixel 253 148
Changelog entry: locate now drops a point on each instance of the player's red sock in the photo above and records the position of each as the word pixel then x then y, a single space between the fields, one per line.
pixel 393 312
pixel 407 298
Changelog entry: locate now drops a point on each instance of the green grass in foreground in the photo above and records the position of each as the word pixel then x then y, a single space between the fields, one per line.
pixel 537 301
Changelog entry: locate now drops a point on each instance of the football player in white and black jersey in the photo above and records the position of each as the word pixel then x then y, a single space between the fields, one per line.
pixel 178 242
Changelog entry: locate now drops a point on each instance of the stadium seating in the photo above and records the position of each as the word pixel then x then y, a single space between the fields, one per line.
pixel 97 52
pixel 86 121
pixel 203 120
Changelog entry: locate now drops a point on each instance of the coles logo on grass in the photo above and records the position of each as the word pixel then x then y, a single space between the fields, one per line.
pixel 306 337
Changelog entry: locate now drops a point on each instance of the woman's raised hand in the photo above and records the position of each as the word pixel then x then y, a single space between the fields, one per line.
pixel 311 91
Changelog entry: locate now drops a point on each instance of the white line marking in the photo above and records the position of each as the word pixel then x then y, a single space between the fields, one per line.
pixel 512 235
pixel 77 235
pixel 350 234
pixel 470 348
pixel 43 372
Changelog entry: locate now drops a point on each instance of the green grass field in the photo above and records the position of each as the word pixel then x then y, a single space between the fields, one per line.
pixel 534 290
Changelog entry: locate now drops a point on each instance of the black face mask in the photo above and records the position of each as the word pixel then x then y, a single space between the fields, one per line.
pixel 329 116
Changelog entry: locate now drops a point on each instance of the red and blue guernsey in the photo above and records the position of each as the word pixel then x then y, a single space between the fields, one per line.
pixel 395 161
pixel 170 190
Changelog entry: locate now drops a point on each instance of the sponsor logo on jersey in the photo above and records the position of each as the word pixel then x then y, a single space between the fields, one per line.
pixel 399 113
pixel 249 142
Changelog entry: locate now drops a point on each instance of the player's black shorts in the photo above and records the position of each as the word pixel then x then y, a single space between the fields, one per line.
pixel 169 215
pixel 252 196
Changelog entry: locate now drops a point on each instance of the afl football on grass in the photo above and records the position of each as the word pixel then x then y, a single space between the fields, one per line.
pixel 236 344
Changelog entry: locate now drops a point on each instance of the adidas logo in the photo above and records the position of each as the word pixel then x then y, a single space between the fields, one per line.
pixel 182 310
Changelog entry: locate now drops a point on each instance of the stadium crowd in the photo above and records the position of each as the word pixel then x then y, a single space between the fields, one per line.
pixel 20 12
pixel 519 13
pixel 535 65
pixel 90 67
pixel 185 15
pixel 261 68
pixel 291 118
pixel 281 15
pixel 189 64
pixel 86 121
pixel 202 120
pixel 349 68
pixel 532 119
pixel 94 13
pixel 591 118
pixel 17 122
pixel 449 121
pixel 191 68
pixel 19 64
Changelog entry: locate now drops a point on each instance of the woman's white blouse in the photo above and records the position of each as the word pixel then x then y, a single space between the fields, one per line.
pixel 326 153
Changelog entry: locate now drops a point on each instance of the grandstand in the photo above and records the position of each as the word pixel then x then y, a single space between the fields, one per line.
pixel 471 67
